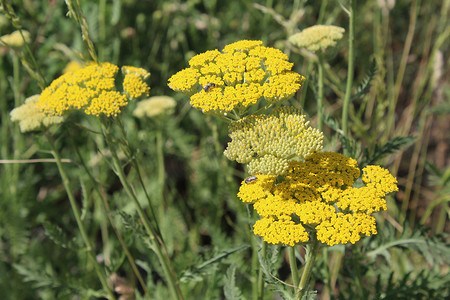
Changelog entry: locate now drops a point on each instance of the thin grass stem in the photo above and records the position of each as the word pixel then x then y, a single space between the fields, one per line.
pixel 76 212
pixel 350 70
pixel 156 241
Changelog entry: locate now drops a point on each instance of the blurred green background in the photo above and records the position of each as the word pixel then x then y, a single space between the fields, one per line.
pixel 41 253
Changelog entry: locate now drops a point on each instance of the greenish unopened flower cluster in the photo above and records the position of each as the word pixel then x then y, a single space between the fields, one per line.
pixel 268 142
pixel 299 192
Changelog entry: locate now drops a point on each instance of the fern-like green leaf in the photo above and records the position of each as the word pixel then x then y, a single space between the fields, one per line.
pixel 231 291
pixel 195 272
pixel 365 85
pixel 56 234
pixel 378 152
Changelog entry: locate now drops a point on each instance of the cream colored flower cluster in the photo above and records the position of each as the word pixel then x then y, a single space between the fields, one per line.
pixel 318 37
pixel 31 118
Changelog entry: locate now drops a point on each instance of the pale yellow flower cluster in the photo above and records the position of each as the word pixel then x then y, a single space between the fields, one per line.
pixel 317 196
pixel 318 37
pixel 92 89
pixel 236 78
pixel 31 118
pixel 15 39
pixel 154 106
pixel 268 142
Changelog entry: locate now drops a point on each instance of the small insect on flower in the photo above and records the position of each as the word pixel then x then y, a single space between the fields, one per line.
pixel 250 179
pixel 208 86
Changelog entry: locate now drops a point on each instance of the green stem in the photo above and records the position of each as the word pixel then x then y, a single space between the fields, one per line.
pixel 261 273
pixel 310 257
pixel 255 266
pixel 76 212
pixel 305 85
pixel 320 94
pixel 160 157
pixel 132 156
pixel 77 14
pixel 155 239
pixel 107 210
pixel 293 265
pixel 350 70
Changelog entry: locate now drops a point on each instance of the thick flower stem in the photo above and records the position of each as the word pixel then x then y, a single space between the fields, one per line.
pixel 293 265
pixel 310 257
pixel 76 212
pixel 261 273
pixel 156 241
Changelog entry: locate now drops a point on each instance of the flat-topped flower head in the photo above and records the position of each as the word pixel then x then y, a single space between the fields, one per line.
pixel 236 78
pixel 268 142
pixel 31 118
pixel 317 197
pixel 318 37
pixel 16 39
pixel 93 90
pixel 154 106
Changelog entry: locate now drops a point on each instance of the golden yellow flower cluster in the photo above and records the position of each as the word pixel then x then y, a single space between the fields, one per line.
pixel 243 73
pixel 30 117
pixel 317 37
pixel 317 197
pixel 93 90
pixel 268 142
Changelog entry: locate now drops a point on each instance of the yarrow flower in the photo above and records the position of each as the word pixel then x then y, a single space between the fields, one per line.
pixel 31 118
pixel 93 90
pixel 318 37
pixel 318 197
pixel 154 106
pixel 238 77
pixel 15 39
pixel 268 142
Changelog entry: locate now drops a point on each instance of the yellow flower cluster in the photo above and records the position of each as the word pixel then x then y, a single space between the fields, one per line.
pixel 268 142
pixel 154 106
pixel 318 37
pixel 317 197
pixel 93 90
pixel 243 73
pixel 30 117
